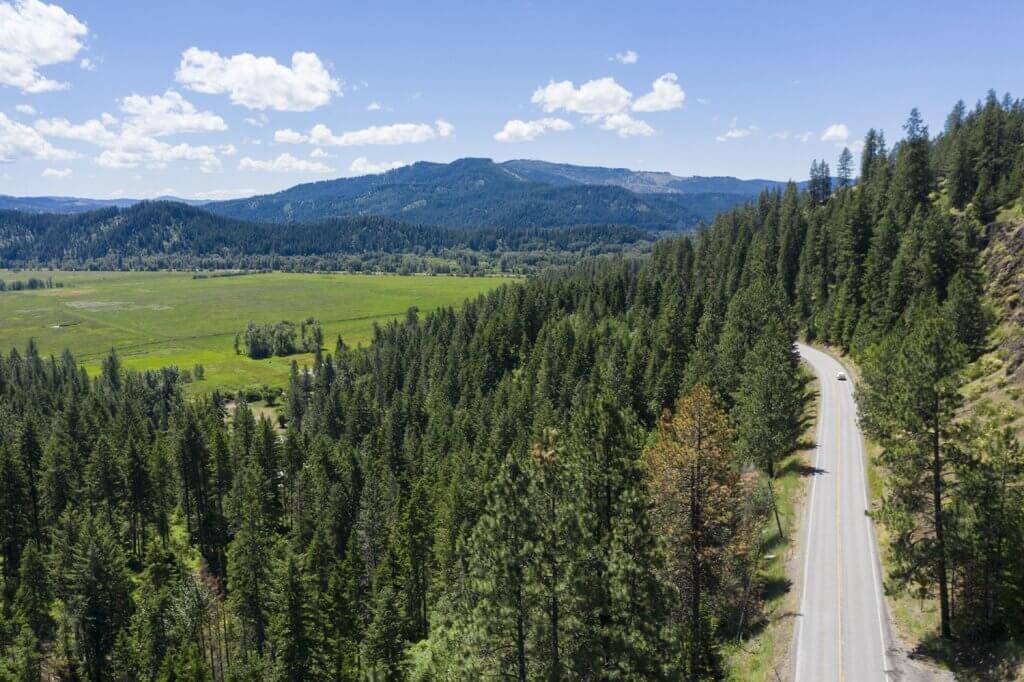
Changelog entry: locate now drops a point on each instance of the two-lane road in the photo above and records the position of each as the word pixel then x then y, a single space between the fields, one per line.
pixel 843 629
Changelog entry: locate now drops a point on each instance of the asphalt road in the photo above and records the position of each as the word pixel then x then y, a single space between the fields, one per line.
pixel 843 630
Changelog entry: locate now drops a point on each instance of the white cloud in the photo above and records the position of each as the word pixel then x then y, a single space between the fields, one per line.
pixel 606 102
pixel 92 131
pixel 665 94
pixel 444 128
pixel 18 140
pixel 26 109
pixel 289 136
pixel 525 131
pixel 34 34
pixel 258 121
pixel 285 163
pixel 837 132
pixel 259 82
pixel 167 114
pixel 374 106
pixel 627 57
pixel 398 133
pixel 735 134
pixel 57 173
pixel 626 126
pixel 599 97
pixel 703 100
pixel 133 141
pixel 319 154
pixel 227 149
pixel 132 152
pixel 87 64
pixel 805 137
pixel 362 166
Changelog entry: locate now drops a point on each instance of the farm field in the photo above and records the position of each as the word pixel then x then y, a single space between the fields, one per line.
pixel 156 319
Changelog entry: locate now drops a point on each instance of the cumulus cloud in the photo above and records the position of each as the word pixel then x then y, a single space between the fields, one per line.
pixel 289 136
pixel 665 94
pixel 132 152
pixel 87 64
pixel 627 57
pixel 132 141
pixel 735 134
pixel 374 106
pixel 26 109
pixel 517 130
pixel 606 102
pixel 837 132
pixel 57 173
pixel 285 163
pixel 363 166
pixel 319 154
pixel 626 126
pixel 599 97
pixel 259 82
pixel 805 137
pixel 167 114
pixel 34 34
pixel 398 133
pixel 18 140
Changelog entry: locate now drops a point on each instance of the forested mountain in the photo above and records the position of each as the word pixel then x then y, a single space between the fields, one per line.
pixel 481 193
pixel 174 232
pixel 567 478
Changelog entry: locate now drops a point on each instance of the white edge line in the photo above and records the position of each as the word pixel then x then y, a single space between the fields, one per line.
pixel 872 546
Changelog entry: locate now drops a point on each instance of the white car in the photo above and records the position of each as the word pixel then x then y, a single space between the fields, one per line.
pixel 841 376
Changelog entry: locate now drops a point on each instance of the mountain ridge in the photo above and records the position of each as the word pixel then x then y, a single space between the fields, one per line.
pixel 476 192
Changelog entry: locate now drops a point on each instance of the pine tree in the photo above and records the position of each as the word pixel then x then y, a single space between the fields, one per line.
pixel 845 168
pixel 101 602
pixel 248 558
pixel 698 497
pixel 295 650
pixel 913 180
pixel 769 405
pixel 497 628
pixel 35 593
pixel 31 454
pixel 908 401
pixel 15 526
pixel 385 643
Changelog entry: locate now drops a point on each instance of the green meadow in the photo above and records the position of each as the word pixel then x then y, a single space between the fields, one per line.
pixel 155 319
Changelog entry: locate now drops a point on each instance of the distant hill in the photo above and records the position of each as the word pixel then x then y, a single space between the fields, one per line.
pixel 72 204
pixel 479 192
pixel 641 182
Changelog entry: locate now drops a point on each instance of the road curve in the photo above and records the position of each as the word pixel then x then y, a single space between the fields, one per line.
pixel 843 630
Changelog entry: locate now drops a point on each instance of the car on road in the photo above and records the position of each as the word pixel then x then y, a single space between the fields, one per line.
pixel 841 376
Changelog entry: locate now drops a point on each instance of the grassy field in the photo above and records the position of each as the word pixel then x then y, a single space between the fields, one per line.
pixel 155 319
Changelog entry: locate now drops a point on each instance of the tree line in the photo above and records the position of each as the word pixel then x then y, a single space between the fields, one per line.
pixel 162 234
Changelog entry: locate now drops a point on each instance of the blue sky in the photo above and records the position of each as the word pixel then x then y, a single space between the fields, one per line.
pixel 220 99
